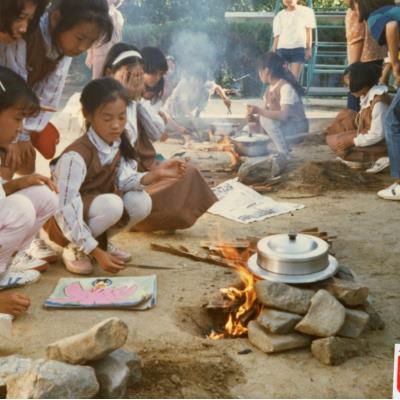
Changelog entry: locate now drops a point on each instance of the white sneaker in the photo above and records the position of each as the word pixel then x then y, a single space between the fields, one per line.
pixel 22 278
pixel 117 252
pixel 23 261
pixel 391 193
pixel 40 249
pixel 76 261
pixel 379 165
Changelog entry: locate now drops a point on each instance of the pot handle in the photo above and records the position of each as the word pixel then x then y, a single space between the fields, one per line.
pixel 292 236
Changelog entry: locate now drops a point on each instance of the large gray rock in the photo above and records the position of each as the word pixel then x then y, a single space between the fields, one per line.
pixel 117 372
pixel 335 351
pixel 260 170
pixel 133 361
pixel 272 343
pixel 283 297
pixel 325 316
pixel 53 380
pixel 348 292
pixel 12 365
pixel 354 323
pixel 278 321
pixel 113 377
pixel 91 345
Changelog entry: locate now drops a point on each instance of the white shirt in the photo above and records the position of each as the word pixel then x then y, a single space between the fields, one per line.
pixel 50 89
pixel 288 94
pixel 69 175
pixel 153 124
pixel 376 132
pixel 291 27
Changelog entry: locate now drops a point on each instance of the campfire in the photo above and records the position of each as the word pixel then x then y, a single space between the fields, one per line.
pixel 242 301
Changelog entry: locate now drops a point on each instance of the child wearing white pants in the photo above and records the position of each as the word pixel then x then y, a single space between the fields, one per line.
pixel 22 214
pixel 100 190
pixel 25 203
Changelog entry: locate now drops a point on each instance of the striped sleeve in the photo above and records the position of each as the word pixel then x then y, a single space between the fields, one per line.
pixel 69 174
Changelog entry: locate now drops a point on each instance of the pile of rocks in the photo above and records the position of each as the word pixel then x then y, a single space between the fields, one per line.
pixel 86 365
pixel 329 316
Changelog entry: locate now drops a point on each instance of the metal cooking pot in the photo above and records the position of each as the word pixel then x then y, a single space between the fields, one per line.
pixel 292 254
pixel 251 144
pixel 293 258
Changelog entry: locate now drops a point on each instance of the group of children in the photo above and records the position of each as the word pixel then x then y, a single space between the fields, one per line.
pixel 106 181
pixel 111 179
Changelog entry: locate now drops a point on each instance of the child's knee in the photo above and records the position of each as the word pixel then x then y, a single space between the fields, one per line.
pixel 138 204
pixel 113 206
pixel 22 211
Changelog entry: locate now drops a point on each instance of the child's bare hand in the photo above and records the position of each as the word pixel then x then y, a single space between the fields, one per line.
pixel 13 159
pixel 36 179
pixel 344 143
pixel 172 169
pixel 13 303
pixel 108 262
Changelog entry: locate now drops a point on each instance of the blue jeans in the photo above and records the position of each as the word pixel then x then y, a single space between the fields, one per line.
pixel 392 133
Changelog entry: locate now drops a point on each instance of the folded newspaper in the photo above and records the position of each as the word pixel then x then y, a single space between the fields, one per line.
pixel 240 203
pixel 135 293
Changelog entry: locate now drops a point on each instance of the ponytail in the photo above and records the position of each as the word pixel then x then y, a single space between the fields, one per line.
pixel 277 67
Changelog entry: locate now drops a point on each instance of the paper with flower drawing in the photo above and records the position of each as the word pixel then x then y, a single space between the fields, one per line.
pixel 137 293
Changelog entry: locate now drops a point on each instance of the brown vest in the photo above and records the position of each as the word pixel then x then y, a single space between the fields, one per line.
pixel 145 151
pixel 99 180
pixel 364 117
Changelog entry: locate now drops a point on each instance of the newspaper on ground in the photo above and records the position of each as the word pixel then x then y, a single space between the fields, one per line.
pixel 240 203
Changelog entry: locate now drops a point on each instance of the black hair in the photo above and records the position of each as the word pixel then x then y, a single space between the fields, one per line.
pixel 276 66
pixel 10 10
pixel 15 92
pixel 72 13
pixel 113 54
pixel 154 60
pixel 102 91
pixel 363 75
pixel 157 90
pixel 367 7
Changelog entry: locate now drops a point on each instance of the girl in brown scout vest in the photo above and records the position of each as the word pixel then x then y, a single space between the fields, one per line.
pixel 99 185
pixel 283 117
pixel 177 202
pixel 358 139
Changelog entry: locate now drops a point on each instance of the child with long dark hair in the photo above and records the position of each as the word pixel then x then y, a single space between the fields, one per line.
pixel 177 202
pixel 359 138
pixel 25 203
pixel 68 29
pixel 101 191
pixel 383 18
pixel 283 116
pixel 19 18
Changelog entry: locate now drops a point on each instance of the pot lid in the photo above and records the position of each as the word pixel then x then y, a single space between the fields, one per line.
pixel 251 138
pixel 292 247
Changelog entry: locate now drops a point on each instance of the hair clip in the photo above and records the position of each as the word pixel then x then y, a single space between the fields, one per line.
pixel 2 87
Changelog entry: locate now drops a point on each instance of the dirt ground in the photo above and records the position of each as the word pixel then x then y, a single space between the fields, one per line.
pixel 179 362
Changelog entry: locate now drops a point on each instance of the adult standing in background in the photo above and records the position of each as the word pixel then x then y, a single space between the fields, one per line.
pixel 97 54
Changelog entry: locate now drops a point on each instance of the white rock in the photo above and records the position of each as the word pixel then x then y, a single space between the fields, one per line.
pixel 347 292
pixel 278 321
pixel 271 343
pixel 324 318
pixel 53 380
pixel 91 345
pixel 12 365
pixel 283 297
pixel 133 361
pixel 354 323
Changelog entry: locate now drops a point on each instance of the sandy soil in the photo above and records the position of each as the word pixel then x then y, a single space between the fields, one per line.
pixel 180 362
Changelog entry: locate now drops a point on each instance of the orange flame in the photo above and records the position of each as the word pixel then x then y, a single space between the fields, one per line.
pixel 235 326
